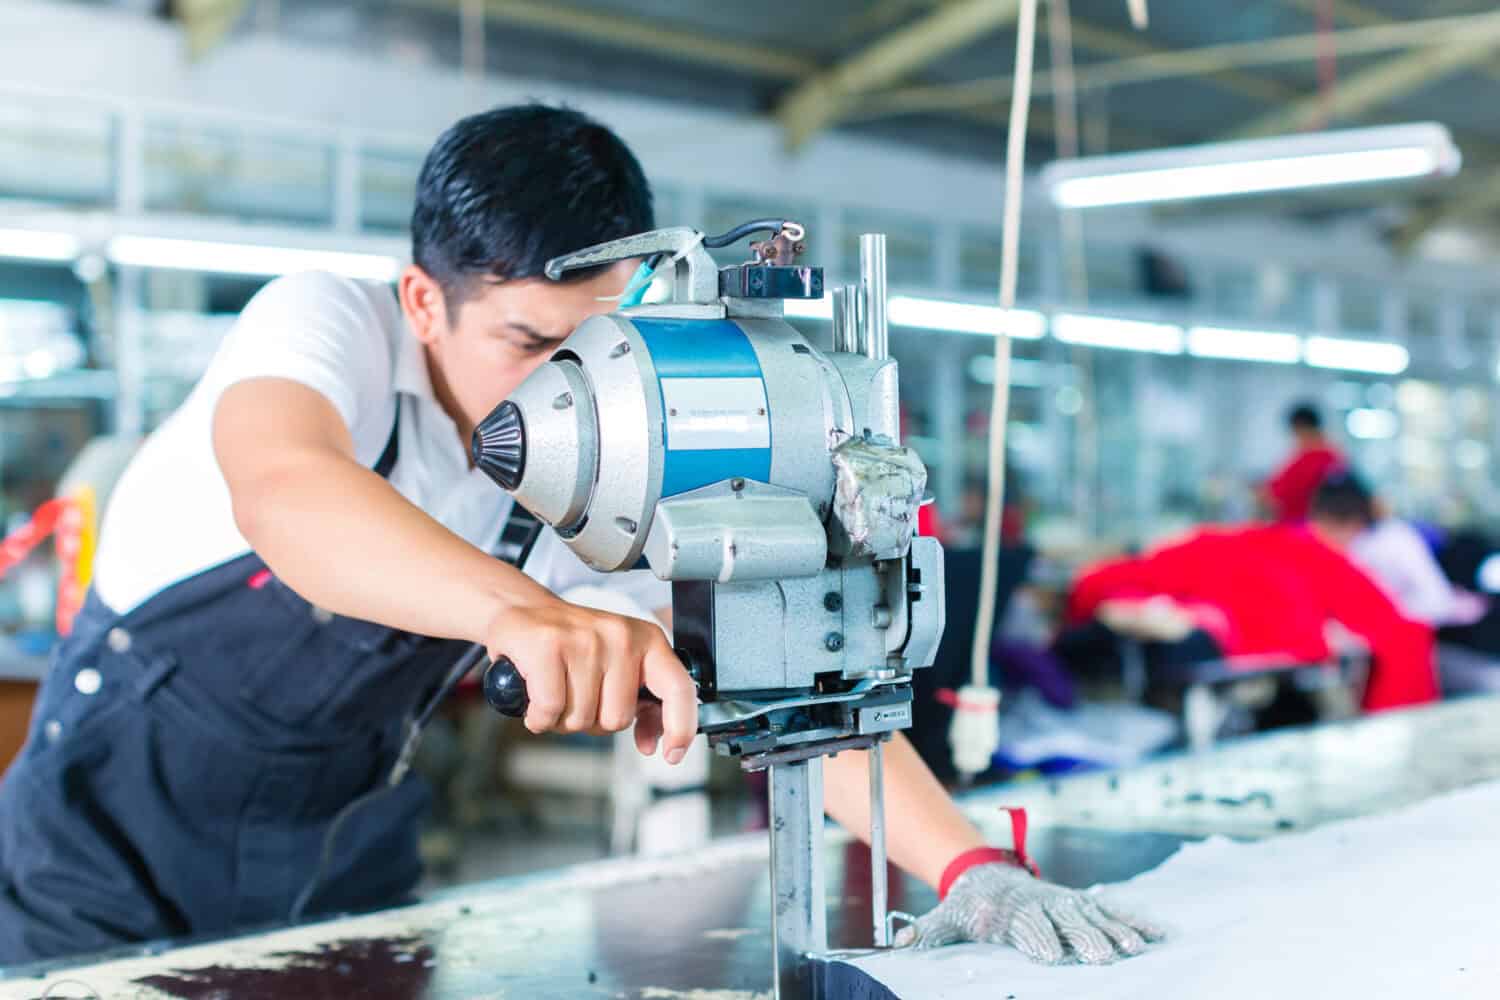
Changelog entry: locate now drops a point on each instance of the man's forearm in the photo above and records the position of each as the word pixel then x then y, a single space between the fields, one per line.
pixel 924 828
pixel 347 541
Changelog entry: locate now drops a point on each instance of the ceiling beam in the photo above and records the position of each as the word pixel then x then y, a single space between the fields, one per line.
pixel 818 102
pixel 1184 63
pixel 1123 45
pixel 1362 16
pixel 880 16
pixel 1375 85
pixel 1088 35
pixel 1468 204
pixel 643 36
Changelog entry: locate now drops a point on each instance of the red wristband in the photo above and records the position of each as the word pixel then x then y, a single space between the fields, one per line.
pixel 991 855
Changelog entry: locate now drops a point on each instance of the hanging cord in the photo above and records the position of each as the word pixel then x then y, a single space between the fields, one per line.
pixel 1327 65
pixel 976 734
pixel 1065 106
pixel 1075 263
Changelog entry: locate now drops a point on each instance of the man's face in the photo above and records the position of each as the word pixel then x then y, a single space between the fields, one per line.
pixel 1334 532
pixel 479 351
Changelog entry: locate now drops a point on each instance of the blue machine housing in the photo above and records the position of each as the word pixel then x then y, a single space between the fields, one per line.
pixel 703 349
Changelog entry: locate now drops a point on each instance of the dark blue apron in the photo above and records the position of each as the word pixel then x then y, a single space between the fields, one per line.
pixel 186 761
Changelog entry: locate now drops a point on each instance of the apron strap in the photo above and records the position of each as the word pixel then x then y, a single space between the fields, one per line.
pixel 387 460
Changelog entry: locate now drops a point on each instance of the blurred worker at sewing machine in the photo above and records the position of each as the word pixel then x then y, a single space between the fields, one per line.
pixel 1287 495
pixel 301 552
pixel 1258 593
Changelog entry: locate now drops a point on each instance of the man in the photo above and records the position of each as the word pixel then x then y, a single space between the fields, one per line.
pixel 1392 552
pixel 299 553
pixel 1288 494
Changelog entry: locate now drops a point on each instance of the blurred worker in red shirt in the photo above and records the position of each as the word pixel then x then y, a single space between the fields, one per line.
pixel 1287 496
pixel 1270 590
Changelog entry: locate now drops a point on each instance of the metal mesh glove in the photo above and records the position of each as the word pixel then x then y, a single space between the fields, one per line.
pixel 1001 904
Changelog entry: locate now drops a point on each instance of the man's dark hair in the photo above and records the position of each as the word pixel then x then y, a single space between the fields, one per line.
pixel 504 191
pixel 1344 498
pixel 1304 417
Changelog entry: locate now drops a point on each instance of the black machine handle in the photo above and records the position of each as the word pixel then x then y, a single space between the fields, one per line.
pixel 505 689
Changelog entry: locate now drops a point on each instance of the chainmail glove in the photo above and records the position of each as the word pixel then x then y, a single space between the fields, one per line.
pixel 1000 903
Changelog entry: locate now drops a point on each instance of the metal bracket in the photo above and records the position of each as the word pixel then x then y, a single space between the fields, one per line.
pixel 695 275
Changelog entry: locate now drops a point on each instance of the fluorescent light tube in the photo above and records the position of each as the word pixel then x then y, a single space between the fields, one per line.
pixel 246 258
pixel 1376 357
pixel 966 317
pixel 1117 333
pixel 1212 170
pixel 1372 425
pixel 809 308
pixel 33 244
pixel 1244 345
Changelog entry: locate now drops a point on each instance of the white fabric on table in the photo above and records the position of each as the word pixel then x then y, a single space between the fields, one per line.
pixel 1402 905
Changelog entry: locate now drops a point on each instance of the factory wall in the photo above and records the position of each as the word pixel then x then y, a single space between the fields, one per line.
pixel 1165 426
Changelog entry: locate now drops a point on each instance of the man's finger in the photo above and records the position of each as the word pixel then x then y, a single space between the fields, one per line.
pixel 1032 934
pixel 582 710
pixel 666 677
pixel 1145 928
pixel 1086 940
pixel 541 666
pixel 648 728
pixel 618 694
pixel 933 930
pixel 1127 941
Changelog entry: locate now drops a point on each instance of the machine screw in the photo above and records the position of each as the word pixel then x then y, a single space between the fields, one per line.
pixel 620 350
pixel 563 401
pixel 833 601
pixel 833 641
pixel 736 484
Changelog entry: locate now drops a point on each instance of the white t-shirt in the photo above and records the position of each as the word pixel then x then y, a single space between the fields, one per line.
pixel 1396 557
pixel 170 516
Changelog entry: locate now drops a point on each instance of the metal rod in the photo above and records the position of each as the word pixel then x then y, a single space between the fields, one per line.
pixel 872 282
pixel 845 322
pixel 854 317
pixel 879 904
pixel 799 917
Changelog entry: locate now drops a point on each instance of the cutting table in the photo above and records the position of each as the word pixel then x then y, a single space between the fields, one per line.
pixel 697 928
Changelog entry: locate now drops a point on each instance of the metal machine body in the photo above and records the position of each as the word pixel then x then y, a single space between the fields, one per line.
pixel 764 478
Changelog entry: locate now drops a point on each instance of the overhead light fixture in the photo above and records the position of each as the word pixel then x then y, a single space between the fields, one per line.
pixel 246 258
pixel 1255 166
pixel 36 244
pixel 1231 344
pixel 1372 425
pixel 1118 333
pixel 1025 373
pixel 809 308
pixel 966 317
pixel 1373 356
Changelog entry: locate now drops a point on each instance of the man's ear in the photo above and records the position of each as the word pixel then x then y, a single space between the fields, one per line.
pixel 423 302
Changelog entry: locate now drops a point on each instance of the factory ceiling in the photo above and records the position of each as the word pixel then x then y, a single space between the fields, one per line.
pixel 936 73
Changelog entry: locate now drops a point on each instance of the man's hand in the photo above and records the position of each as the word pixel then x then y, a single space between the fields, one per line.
pixel 1002 904
pixel 584 670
